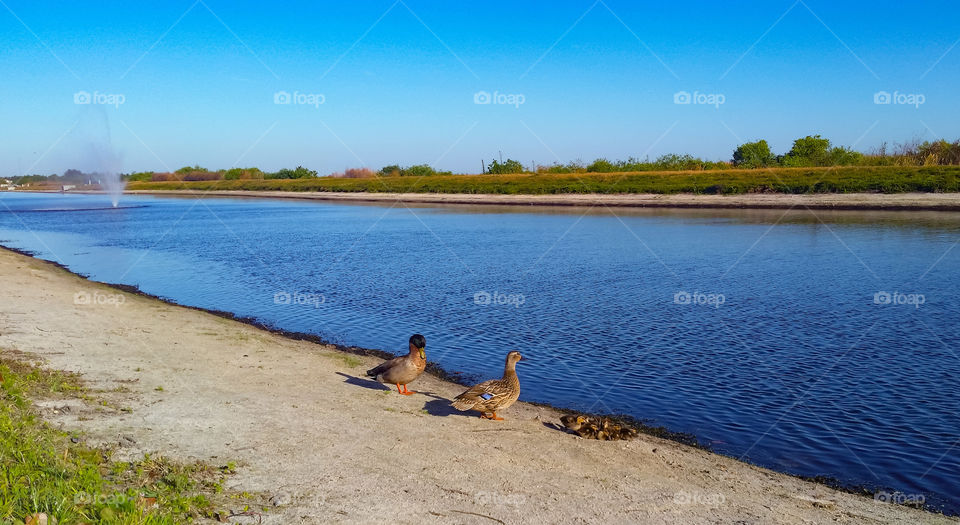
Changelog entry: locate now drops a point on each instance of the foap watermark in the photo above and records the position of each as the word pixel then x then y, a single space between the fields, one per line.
pixel 299 298
pixel 299 99
pixel 99 299
pixel 910 299
pixel 98 98
pixel 484 298
pixel 486 499
pixel 499 99
pixel 884 98
pixel 87 498
pixel 699 298
pixel 684 98
pixel 697 498
pixel 899 498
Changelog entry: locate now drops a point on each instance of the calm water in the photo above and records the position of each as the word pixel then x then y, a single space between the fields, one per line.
pixel 798 369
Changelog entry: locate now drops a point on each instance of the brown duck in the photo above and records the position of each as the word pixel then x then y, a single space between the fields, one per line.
pixel 404 369
pixel 604 429
pixel 493 395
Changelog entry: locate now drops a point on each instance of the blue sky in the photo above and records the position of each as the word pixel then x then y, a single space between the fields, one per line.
pixel 195 82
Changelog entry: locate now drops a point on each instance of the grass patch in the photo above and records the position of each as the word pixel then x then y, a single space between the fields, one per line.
pixel 350 361
pixel 845 179
pixel 32 381
pixel 42 470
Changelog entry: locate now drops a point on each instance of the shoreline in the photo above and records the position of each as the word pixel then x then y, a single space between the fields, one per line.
pixel 315 342
pixel 825 201
pixel 433 368
pixel 948 202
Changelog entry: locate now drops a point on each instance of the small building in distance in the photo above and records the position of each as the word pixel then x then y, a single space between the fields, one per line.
pixel 7 185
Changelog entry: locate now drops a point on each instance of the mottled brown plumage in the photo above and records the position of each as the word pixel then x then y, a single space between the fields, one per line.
pixel 493 395
pixel 573 422
pixel 401 370
pixel 590 427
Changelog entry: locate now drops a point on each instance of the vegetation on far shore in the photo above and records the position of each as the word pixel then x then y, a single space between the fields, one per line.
pixel 806 152
pixel 47 471
pixel 850 179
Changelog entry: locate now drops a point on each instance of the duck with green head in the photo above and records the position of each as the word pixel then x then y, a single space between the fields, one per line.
pixel 402 370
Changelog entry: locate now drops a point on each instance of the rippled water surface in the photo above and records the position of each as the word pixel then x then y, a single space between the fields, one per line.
pixel 780 353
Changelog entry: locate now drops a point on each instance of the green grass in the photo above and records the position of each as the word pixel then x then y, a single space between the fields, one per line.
pixel 346 359
pixel 847 179
pixel 43 471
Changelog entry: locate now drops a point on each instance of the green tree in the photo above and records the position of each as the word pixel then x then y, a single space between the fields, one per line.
pixel 419 170
pixel 508 166
pixel 842 156
pixel 286 173
pixel 190 169
pixel 303 173
pixel 674 162
pixel 392 170
pixel 601 166
pixel 808 151
pixel 753 155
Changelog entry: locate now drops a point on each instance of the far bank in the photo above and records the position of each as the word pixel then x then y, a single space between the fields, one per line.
pixel 824 201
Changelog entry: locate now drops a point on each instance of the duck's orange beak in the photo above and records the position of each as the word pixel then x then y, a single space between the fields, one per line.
pixel 423 353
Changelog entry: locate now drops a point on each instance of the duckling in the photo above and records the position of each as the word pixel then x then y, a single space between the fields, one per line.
pixel 493 395
pixel 404 369
pixel 601 428
pixel 588 431
pixel 573 422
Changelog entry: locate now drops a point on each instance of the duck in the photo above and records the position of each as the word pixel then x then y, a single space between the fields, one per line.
pixel 573 422
pixel 588 431
pixel 403 370
pixel 493 395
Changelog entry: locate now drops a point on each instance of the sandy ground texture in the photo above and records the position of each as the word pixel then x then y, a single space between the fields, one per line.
pixel 822 201
pixel 301 422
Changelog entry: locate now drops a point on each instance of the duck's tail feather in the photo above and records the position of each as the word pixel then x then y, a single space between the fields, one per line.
pixel 463 403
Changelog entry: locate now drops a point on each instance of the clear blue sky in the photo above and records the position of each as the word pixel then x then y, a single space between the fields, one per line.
pixel 398 80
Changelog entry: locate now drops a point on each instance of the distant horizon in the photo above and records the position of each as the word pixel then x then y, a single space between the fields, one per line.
pixel 125 88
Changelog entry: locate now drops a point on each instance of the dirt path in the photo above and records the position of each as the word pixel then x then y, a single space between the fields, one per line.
pixel 823 201
pixel 299 421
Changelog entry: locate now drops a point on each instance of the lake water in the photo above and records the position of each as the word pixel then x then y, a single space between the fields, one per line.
pixel 815 344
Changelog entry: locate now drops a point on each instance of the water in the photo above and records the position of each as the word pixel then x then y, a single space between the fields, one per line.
pixel 798 369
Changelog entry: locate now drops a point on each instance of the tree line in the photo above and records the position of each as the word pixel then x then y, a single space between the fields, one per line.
pixel 809 151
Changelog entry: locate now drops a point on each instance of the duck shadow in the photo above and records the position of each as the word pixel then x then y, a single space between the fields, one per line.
pixel 442 408
pixel 559 428
pixel 365 383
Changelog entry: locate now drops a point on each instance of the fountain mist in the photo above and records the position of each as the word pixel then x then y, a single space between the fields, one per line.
pixel 95 151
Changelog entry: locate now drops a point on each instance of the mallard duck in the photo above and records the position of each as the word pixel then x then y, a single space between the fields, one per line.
pixel 404 369
pixel 493 395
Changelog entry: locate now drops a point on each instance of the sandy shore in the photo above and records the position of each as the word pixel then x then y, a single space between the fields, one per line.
pixel 824 201
pixel 299 420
